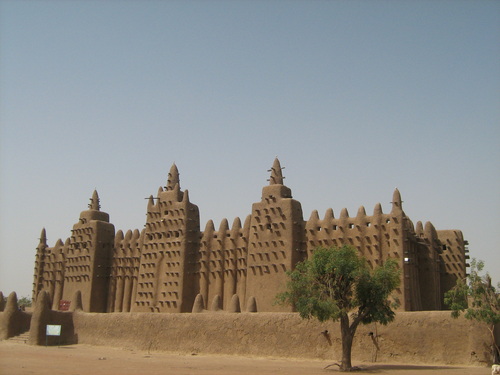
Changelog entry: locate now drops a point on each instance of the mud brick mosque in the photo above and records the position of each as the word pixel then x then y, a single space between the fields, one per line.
pixel 171 265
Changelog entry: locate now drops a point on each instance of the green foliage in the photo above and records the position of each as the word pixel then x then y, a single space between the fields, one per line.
pixel 24 302
pixel 337 281
pixel 456 298
pixel 475 296
pixel 478 298
pixel 373 291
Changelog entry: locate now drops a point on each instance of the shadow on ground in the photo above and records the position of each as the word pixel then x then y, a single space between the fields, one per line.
pixel 373 369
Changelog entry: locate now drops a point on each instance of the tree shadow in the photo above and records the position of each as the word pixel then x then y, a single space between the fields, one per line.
pixel 373 369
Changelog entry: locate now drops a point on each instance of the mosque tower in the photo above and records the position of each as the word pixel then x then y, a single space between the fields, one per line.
pixel 88 256
pixel 166 279
pixel 276 242
pixel 40 260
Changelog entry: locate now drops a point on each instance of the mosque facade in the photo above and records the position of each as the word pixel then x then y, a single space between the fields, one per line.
pixel 171 265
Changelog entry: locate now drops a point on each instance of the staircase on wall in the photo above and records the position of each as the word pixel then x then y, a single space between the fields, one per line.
pixel 22 338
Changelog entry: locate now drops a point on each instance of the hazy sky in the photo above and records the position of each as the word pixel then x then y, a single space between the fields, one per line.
pixel 356 98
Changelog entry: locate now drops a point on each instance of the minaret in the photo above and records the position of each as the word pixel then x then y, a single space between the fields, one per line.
pixel 43 238
pixel 167 280
pixel 94 202
pixel 397 203
pixel 40 260
pixel 88 259
pixel 173 178
pixel 401 249
pixel 276 241
pixel 276 173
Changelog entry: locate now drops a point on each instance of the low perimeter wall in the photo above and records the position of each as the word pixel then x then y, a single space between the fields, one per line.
pixel 414 337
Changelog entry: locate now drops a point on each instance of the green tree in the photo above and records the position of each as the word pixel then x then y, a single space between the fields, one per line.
pixel 24 302
pixel 337 284
pixel 478 298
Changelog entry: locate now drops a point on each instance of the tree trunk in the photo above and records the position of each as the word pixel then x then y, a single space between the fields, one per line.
pixel 495 351
pixel 347 338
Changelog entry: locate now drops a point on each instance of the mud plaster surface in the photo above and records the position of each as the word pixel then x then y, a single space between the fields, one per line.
pixel 418 338
pixel 17 359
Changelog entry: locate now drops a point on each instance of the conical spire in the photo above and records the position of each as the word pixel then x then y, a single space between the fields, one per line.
pixel 11 304
pixel 313 221
pixel 209 231
pixel 234 306
pixel 94 201
pixel 209 227
pixel 361 211
pixel 173 177
pixel 396 199
pixel 430 230
pixel 344 214
pixel 419 228
pixel 217 303
pixel 236 227
pixel 276 173
pixel 377 210
pixel 118 238
pixel 185 196
pixel 136 234
pixel 314 218
pixel 128 235
pixel 177 189
pixel 43 237
pixel 224 226
pixel 252 304
pixel 151 202
pixel 246 226
pixel 198 304
pixel 329 216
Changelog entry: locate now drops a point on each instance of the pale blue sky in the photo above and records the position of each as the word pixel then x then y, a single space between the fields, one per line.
pixel 354 97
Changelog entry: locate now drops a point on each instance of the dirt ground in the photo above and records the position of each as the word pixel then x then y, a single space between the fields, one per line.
pixel 17 359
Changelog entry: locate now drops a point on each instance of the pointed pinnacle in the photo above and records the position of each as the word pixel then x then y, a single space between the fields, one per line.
pixel 94 201
pixel 173 177
pixel 276 173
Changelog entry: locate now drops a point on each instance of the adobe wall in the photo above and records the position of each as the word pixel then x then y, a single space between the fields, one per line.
pixel 414 337
pixel 13 324
pixel 12 320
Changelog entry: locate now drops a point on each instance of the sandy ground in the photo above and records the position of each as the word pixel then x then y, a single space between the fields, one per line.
pixel 17 358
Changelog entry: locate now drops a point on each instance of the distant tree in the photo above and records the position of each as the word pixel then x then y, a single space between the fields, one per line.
pixel 478 298
pixel 24 302
pixel 335 282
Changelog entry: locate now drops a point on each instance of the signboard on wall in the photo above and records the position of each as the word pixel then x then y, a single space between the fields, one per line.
pixel 64 305
pixel 53 330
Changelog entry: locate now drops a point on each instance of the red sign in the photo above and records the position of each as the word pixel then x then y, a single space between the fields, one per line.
pixel 64 305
